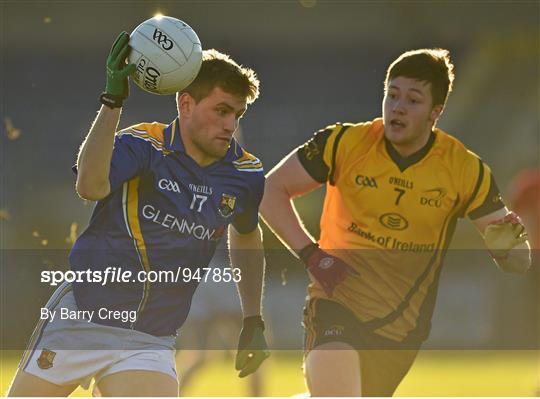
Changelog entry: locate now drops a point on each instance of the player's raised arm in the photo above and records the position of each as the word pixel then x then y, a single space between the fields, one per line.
pixel 94 159
pixel 247 254
pixel 506 239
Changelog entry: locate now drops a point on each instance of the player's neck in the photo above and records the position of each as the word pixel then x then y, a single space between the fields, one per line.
pixel 407 149
pixel 200 157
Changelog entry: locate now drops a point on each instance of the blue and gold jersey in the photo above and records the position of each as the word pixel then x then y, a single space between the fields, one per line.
pixel 392 218
pixel 164 212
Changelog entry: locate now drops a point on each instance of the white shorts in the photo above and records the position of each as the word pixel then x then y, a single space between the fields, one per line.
pixel 67 352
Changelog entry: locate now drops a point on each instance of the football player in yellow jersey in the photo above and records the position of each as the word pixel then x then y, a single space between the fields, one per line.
pixel 395 189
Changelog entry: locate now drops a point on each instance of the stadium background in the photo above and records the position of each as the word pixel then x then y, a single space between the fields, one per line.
pixel 319 62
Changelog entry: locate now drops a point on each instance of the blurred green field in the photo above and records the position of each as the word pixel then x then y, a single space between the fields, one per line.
pixel 435 373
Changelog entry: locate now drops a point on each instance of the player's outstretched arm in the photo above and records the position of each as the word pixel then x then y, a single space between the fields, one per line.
pixel 247 254
pixel 94 159
pixel 506 240
pixel 285 182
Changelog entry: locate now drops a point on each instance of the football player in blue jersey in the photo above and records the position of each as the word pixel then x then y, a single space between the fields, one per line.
pixel 165 194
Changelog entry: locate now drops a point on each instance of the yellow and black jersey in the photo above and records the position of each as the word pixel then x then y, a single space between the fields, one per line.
pixel 392 218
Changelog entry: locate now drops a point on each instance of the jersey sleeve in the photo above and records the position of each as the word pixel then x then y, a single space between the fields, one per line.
pixel 311 155
pixel 318 155
pixel 248 220
pixel 481 191
pixel 130 156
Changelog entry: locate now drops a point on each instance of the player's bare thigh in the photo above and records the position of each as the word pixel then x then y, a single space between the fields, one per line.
pixel 25 384
pixel 333 369
pixel 138 383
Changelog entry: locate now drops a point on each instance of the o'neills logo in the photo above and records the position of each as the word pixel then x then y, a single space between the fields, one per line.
pixel 147 75
pixel 171 222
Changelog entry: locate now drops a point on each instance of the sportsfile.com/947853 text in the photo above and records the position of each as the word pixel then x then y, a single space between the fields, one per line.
pixel 113 274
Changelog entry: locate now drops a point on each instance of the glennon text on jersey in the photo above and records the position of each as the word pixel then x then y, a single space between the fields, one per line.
pixel 181 225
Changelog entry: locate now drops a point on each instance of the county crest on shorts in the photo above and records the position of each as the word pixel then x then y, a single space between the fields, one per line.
pixel 226 205
pixel 46 358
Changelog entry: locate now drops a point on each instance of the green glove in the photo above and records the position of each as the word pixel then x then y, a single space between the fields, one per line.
pixel 252 348
pixel 117 87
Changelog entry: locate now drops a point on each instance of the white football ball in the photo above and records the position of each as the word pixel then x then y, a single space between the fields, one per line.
pixel 167 53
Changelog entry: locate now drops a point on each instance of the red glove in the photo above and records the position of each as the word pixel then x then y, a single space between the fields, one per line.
pixel 328 270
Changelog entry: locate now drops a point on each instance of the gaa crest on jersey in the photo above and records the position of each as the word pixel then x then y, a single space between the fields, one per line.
pixel 46 359
pixel 226 205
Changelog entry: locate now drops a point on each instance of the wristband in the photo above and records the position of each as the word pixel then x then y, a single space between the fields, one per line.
pixel 253 322
pixel 111 101
pixel 307 251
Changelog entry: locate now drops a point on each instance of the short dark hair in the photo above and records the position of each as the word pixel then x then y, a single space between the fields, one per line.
pixel 218 69
pixel 426 65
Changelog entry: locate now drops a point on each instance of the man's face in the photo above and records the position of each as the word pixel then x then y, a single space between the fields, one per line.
pixel 408 113
pixel 212 122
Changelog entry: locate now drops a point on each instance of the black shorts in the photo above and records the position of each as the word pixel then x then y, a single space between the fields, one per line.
pixel 383 362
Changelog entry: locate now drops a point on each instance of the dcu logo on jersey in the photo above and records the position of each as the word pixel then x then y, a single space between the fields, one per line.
pixel 335 330
pixel 226 205
pixel 433 197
